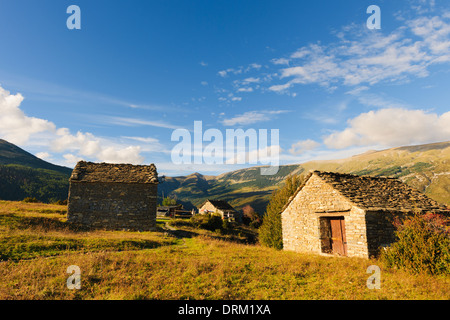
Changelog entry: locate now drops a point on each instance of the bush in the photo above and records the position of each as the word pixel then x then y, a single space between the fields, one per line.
pixel 208 221
pixel 270 234
pixel 60 202
pixel 30 200
pixel 423 245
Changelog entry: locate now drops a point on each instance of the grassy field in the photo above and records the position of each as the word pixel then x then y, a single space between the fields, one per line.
pixel 37 246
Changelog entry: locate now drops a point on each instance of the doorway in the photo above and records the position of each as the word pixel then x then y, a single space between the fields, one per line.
pixel 332 235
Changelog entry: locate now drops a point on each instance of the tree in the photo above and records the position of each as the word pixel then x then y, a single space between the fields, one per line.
pixel 270 233
pixel 168 201
pixel 250 217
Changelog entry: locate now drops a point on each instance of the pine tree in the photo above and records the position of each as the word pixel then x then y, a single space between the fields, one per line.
pixel 270 234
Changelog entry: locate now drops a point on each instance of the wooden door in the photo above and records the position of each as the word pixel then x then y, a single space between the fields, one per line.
pixel 338 239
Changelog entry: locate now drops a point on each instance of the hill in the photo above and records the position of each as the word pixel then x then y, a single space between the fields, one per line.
pixel 424 167
pixel 12 154
pixel 25 175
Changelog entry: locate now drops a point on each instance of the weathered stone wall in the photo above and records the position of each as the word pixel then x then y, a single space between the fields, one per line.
pixel 113 206
pixel 301 225
pixel 380 229
pixel 208 207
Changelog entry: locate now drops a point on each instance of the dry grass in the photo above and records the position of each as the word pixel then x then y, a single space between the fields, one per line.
pixel 191 268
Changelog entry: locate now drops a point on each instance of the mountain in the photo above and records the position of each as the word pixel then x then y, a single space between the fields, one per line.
pixel 12 154
pixel 424 167
pixel 24 175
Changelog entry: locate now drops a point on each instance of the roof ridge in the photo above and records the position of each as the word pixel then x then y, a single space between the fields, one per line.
pixel 114 172
pixel 368 192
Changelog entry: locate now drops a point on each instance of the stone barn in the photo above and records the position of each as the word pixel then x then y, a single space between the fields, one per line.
pixel 348 215
pixel 113 196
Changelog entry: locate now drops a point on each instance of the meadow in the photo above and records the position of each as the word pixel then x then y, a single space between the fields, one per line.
pixel 37 246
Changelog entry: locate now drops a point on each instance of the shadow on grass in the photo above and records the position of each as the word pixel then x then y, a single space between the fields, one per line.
pixel 40 223
pixel 22 247
pixel 235 235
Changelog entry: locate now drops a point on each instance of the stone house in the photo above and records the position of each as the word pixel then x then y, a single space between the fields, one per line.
pixel 348 215
pixel 113 196
pixel 219 206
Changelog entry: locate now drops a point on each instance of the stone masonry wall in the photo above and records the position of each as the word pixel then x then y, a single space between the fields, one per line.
pixel 208 207
pixel 380 229
pixel 113 206
pixel 300 220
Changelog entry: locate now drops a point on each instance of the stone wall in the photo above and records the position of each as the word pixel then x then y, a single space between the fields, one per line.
pixel 208 207
pixel 113 206
pixel 301 224
pixel 380 229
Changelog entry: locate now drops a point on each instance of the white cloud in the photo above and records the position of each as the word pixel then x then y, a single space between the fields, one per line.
pixel 44 155
pixel 18 128
pixel 251 117
pixel 280 61
pixel 392 127
pixel 251 80
pixel 15 126
pixel 245 89
pixel 222 73
pixel 86 145
pixel 303 146
pixel 71 159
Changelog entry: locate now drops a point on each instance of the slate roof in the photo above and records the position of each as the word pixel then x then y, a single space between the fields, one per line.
pixel 221 205
pixel 109 172
pixel 377 193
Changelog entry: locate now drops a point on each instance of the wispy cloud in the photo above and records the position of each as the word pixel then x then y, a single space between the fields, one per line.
pixel 360 58
pixel 47 91
pixel 133 122
pixel 239 70
pixel 252 117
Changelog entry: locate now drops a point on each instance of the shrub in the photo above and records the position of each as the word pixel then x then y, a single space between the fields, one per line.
pixel 210 221
pixel 60 202
pixel 250 217
pixel 30 200
pixel 270 234
pixel 226 225
pixel 423 245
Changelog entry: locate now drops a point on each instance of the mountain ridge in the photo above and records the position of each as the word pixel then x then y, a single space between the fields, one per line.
pixel 11 154
pixel 425 167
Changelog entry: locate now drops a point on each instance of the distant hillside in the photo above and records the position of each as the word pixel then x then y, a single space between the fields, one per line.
pixel 24 175
pixel 424 167
pixel 12 154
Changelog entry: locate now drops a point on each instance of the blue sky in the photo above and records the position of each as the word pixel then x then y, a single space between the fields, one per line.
pixel 116 89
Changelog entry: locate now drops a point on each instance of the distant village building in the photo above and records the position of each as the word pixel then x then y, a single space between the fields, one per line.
pixel 348 215
pixel 219 206
pixel 168 211
pixel 113 196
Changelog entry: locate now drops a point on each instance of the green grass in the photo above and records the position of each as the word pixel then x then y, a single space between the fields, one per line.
pixel 199 265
